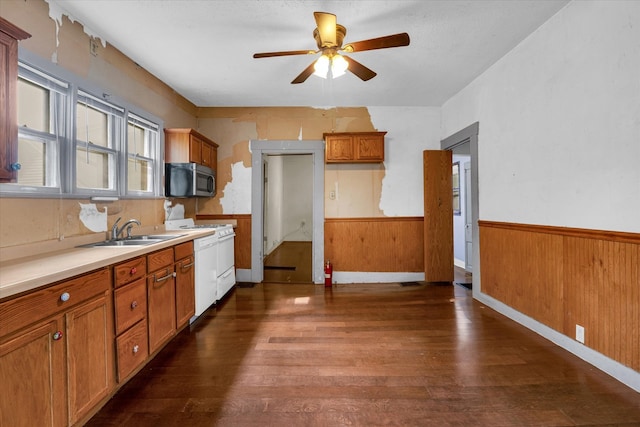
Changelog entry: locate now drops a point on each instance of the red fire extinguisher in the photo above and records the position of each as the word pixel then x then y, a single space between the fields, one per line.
pixel 328 274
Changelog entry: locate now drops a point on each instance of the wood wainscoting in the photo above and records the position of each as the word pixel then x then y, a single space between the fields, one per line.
pixel 563 277
pixel 242 244
pixel 381 244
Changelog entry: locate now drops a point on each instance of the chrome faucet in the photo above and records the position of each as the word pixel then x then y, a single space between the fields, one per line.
pixel 115 231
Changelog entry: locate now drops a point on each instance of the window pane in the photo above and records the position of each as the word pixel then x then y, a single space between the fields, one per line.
pixel 140 175
pixel 92 169
pixel 32 155
pixel 137 141
pixel 92 125
pixel 33 106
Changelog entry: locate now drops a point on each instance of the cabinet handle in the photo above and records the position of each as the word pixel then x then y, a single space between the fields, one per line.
pixel 133 271
pixel 163 278
pixel 134 304
pixel 65 297
pixel 57 335
pixel 185 266
pixel 136 348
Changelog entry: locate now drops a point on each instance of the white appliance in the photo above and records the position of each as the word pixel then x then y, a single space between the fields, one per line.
pixel 219 266
pixel 205 250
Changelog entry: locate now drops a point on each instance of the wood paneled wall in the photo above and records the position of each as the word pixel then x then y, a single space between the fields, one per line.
pixel 381 244
pixel 242 244
pixel 566 276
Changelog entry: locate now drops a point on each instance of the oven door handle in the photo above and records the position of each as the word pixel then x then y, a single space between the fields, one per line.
pixel 224 276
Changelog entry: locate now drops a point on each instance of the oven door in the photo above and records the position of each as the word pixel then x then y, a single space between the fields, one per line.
pixel 226 270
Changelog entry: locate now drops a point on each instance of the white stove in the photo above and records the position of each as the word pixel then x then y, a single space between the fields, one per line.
pixel 215 272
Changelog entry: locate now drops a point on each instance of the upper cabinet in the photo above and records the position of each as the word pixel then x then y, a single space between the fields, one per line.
pixel 187 145
pixel 9 36
pixel 354 147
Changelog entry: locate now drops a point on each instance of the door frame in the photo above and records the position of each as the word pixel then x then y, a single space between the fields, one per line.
pixel 282 147
pixel 470 135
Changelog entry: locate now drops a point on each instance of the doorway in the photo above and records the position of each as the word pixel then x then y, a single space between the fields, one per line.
pixel 261 150
pixel 288 218
pixel 465 143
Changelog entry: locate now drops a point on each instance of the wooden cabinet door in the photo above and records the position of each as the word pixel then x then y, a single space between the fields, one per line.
pixel 438 216
pixel 185 290
pixel 206 155
pixel 195 149
pixel 161 305
pixel 89 355
pixel 33 377
pixel 369 148
pixel 9 36
pixel 339 149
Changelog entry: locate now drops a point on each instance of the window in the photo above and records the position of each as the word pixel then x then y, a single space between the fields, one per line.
pixel 142 146
pixel 73 142
pixel 42 114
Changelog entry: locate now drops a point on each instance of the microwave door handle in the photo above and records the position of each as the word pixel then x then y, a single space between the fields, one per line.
pixel 210 184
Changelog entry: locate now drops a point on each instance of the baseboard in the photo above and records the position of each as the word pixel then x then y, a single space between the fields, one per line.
pixel 459 263
pixel 243 275
pixel 617 370
pixel 375 277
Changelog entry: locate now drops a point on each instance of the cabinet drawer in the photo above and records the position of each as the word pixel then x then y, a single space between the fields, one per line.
pixel 131 305
pixel 40 304
pixel 184 250
pixel 129 271
pixel 132 349
pixel 160 259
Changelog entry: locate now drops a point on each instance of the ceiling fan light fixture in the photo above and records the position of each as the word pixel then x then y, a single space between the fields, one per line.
pixel 339 66
pixel 321 66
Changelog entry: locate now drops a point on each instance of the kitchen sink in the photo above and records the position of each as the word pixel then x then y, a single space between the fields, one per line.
pixel 143 240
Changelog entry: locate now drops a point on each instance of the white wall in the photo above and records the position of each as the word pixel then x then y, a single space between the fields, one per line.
pixel 559 138
pixel 297 198
pixel 273 203
pixel 459 245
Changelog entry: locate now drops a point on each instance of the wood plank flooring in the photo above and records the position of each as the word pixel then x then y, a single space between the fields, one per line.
pixel 365 355
pixel 290 262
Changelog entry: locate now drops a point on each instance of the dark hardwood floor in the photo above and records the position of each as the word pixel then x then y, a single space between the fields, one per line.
pixel 290 262
pixel 365 355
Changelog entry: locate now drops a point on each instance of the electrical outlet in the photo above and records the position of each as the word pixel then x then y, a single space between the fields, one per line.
pixel 93 46
pixel 332 195
pixel 580 334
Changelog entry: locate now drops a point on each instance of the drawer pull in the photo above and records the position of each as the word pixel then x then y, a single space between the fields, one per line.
pixel 65 297
pixel 163 278
pixel 134 304
pixel 133 271
pixel 57 335
pixel 185 266
pixel 136 348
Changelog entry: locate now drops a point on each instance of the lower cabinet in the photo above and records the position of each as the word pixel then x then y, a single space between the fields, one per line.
pixel 161 298
pixel 33 377
pixel 62 346
pixel 185 284
pixel 56 352
pixel 89 355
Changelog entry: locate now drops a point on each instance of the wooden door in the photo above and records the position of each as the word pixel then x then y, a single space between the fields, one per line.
pixel 33 377
pixel 438 216
pixel 161 303
pixel 89 355
pixel 185 290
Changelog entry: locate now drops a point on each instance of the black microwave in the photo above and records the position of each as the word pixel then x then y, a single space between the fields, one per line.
pixel 188 180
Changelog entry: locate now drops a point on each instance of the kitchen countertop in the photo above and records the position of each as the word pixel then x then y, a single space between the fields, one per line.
pixel 31 272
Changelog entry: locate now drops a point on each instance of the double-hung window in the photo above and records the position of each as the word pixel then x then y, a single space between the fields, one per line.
pixel 143 144
pixel 43 110
pixel 98 140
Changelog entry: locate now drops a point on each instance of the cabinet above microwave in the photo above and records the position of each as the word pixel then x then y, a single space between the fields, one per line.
pixel 186 145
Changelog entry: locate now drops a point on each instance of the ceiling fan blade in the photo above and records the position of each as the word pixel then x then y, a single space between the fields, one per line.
pixel 395 40
pixel 359 70
pixel 304 75
pixel 326 28
pixel 283 53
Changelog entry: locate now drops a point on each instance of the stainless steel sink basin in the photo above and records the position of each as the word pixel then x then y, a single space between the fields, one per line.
pixel 145 240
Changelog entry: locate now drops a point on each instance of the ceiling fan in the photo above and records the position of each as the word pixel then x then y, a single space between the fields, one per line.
pixel 329 36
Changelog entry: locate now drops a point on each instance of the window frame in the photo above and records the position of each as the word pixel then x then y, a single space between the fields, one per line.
pixel 68 144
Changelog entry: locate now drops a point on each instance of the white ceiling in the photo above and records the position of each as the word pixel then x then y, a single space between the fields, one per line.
pixel 203 49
